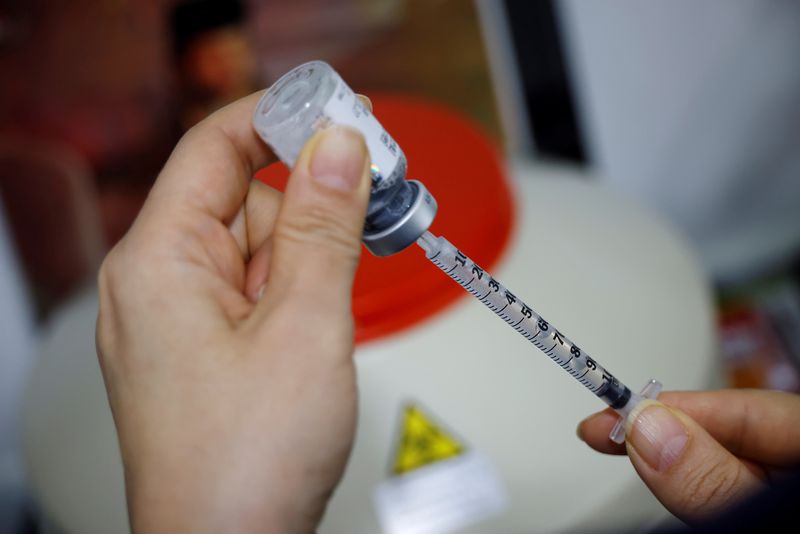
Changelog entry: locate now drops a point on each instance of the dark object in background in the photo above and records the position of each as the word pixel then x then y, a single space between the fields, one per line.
pixel 215 60
pixel 547 89
pixel 197 17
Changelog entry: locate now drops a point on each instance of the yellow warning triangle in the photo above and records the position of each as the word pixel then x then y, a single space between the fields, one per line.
pixel 423 442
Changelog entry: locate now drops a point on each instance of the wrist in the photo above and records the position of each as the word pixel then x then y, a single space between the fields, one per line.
pixel 172 503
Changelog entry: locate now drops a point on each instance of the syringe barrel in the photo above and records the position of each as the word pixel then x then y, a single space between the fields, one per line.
pixel 525 321
pixel 313 96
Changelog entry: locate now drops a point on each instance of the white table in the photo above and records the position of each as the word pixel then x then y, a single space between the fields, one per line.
pixel 607 273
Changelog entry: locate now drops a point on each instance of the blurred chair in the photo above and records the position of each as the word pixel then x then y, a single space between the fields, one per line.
pixel 52 211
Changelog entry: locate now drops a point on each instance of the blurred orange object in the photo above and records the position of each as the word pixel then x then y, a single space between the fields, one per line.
pixel 462 168
pixel 758 334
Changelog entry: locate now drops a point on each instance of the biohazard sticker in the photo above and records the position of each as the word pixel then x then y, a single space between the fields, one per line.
pixel 436 482
pixel 422 442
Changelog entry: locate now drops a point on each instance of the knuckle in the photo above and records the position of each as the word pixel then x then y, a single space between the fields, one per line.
pixel 195 131
pixel 104 338
pixel 118 265
pixel 710 486
pixel 742 432
pixel 107 272
pixel 321 229
pixel 106 286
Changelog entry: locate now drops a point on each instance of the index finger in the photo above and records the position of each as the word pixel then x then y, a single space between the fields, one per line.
pixel 760 425
pixel 212 165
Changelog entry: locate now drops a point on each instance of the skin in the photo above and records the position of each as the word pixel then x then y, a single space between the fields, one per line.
pixel 225 337
pixel 230 416
pixel 738 442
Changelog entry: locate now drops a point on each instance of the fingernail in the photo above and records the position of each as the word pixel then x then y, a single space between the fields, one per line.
pixel 656 434
pixel 260 291
pixel 366 101
pixel 338 159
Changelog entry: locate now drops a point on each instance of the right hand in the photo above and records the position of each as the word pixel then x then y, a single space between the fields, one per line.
pixel 225 332
pixel 700 452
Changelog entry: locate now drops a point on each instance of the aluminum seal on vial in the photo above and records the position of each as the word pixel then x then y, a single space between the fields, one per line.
pixel 313 96
pixel 412 222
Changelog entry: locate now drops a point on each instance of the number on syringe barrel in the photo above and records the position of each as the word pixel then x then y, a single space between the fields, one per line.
pixel 607 377
pixel 557 337
pixel 561 350
pixel 574 351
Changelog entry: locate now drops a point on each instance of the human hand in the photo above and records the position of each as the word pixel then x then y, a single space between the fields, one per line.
pixel 225 333
pixel 700 452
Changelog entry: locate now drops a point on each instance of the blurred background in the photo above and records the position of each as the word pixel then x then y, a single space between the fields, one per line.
pixel 691 108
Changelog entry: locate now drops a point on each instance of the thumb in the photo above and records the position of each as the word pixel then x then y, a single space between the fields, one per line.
pixel 317 235
pixel 686 469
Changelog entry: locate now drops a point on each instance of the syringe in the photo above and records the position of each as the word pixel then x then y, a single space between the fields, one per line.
pixel 313 96
pixel 535 329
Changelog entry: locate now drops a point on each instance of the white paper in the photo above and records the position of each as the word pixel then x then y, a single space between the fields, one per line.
pixel 441 497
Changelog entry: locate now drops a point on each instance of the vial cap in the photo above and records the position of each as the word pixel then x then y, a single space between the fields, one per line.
pixel 461 167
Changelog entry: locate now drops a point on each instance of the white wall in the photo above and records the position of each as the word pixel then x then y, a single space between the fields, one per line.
pixel 694 107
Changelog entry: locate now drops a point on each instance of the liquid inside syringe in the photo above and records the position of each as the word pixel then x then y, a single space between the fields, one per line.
pixel 534 328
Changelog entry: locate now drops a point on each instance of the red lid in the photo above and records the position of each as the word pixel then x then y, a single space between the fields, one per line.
pixel 461 168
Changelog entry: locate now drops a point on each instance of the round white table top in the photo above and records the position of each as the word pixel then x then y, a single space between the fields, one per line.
pixel 607 273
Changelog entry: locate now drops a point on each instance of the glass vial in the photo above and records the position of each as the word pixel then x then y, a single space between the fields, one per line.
pixel 313 96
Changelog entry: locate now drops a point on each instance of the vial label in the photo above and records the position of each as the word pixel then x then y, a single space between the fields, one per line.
pixel 388 161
